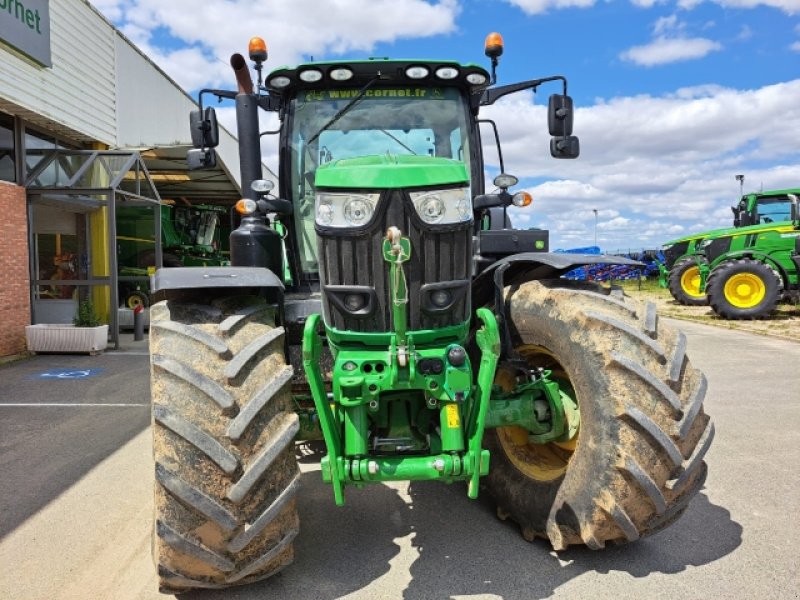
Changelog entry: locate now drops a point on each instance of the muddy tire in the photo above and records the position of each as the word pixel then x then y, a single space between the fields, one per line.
pixel 225 470
pixel 638 457
pixel 684 283
pixel 744 289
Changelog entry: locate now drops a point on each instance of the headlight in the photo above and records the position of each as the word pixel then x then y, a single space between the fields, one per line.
pixel 442 207
pixel 345 210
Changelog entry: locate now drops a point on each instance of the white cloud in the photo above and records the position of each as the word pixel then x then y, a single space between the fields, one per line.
pixel 294 30
pixel 535 7
pixel 665 50
pixel 664 163
pixel 788 6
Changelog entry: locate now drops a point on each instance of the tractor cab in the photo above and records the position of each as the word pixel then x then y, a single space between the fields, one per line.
pixel 765 207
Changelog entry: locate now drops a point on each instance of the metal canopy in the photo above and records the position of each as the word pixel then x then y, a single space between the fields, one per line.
pixel 173 179
pixel 91 180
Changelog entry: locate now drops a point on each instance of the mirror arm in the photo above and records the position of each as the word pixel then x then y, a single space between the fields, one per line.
pixel 491 96
pixel 220 94
pixel 497 141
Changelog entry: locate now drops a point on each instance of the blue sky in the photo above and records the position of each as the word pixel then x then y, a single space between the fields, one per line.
pixel 673 97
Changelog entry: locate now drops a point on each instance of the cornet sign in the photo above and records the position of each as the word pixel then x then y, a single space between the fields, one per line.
pixel 25 25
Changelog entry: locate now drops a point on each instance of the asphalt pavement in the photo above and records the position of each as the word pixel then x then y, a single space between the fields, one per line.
pixel 76 501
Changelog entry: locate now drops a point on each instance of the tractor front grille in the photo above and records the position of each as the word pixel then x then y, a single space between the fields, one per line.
pixel 674 253
pixel 353 260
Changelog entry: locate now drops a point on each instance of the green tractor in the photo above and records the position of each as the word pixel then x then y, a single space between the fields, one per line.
pixel 414 336
pixel 683 260
pixel 191 236
pixel 746 272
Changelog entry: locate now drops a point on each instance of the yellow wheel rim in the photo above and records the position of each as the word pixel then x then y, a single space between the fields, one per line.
pixel 134 301
pixel 542 462
pixel 690 282
pixel 745 290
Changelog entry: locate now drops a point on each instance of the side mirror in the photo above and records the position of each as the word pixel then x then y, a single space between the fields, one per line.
pixel 201 158
pixel 560 115
pixel 565 147
pixel 204 128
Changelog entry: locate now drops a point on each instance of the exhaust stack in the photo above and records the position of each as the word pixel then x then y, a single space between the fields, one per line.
pixel 242 73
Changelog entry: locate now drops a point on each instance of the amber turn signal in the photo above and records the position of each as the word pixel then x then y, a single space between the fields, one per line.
pixel 522 199
pixel 245 206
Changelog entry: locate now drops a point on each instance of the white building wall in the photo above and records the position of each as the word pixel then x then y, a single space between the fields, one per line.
pixel 77 93
pixel 154 111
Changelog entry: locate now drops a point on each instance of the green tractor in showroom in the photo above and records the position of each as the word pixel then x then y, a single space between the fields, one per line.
pixel 746 273
pixel 413 333
pixel 684 263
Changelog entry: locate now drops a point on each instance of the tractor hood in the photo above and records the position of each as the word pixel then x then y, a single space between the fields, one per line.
pixel 699 236
pixel 389 171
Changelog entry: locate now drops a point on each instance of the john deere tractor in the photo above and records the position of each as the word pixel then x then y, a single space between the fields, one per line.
pixel 414 333
pixel 746 272
pixel 683 260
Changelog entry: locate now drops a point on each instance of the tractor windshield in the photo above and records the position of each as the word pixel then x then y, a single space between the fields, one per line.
pixel 420 121
pixel 775 208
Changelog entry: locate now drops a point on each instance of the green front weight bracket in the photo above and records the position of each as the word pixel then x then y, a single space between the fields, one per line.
pixel 312 352
pixel 488 339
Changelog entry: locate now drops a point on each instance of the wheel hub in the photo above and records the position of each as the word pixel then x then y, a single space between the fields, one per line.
pixel 745 290
pixel 691 281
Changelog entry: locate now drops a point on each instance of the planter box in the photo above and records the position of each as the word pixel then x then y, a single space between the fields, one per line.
pixel 66 338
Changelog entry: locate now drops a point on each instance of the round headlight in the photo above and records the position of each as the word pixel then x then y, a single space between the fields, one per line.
pixel 341 74
pixel 311 75
pixel 431 210
pixel 357 211
pixel 441 298
pixel 476 78
pixel 354 302
pixel 279 82
pixel 324 214
pixel 446 73
pixel 417 72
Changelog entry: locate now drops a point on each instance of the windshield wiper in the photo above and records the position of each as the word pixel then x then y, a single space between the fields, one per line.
pixel 345 108
pixel 396 139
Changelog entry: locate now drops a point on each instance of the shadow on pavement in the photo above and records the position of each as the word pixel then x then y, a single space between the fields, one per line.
pixel 462 548
pixel 339 550
pixel 472 552
pixel 44 450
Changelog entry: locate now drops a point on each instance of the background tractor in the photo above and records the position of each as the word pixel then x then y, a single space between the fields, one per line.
pixel 190 235
pixel 683 260
pixel 418 341
pixel 748 272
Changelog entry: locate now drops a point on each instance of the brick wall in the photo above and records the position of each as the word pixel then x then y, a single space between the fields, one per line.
pixel 15 310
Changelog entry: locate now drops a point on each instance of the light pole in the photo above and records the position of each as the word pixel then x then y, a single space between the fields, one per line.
pixel 595 226
pixel 740 179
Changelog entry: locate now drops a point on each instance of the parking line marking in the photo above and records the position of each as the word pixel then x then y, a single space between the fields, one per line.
pixel 68 404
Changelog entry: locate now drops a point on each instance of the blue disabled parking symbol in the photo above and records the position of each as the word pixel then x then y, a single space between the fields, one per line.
pixel 67 373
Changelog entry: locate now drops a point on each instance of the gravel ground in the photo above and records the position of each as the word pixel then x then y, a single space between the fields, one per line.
pixel 783 324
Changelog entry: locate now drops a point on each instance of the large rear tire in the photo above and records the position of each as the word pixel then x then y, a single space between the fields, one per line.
pixel 684 283
pixel 638 457
pixel 225 470
pixel 744 289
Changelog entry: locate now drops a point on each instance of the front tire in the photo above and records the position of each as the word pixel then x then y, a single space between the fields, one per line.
pixel 744 289
pixel 638 457
pixel 684 283
pixel 223 432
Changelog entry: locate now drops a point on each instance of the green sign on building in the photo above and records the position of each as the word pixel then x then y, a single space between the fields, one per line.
pixel 25 26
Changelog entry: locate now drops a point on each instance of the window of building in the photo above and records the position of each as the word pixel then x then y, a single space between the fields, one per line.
pixel 7 170
pixel 38 147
